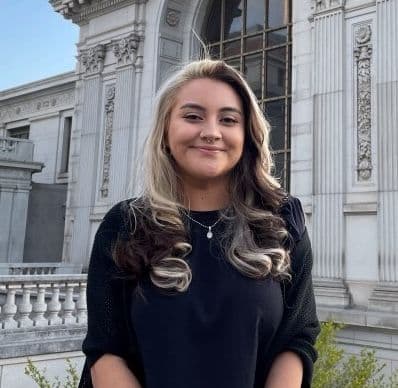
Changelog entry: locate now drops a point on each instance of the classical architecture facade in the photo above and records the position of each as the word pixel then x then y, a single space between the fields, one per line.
pixel 326 75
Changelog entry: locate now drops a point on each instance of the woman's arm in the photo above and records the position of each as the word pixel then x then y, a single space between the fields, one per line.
pixel 112 371
pixel 286 371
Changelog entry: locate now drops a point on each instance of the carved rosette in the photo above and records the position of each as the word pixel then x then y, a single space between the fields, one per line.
pixel 324 5
pixel 109 108
pixel 125 49
pixel 363 56
pixel 93 59
pixel 173 17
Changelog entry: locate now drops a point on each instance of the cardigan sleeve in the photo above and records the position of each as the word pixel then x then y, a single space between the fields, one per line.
pixel 300 325
pixel 107 326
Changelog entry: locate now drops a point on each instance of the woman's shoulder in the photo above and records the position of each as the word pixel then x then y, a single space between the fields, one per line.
pixel 119 216
pixel 292 213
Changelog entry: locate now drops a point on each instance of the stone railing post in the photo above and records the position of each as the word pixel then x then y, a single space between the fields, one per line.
pixel 42 300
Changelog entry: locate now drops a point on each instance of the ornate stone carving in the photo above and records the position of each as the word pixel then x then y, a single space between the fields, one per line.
pixel 363 56
pixel 173 17
pixel 109 108
pixel 126 48
pixel 43 104
pixel 93 59
pixel 322 5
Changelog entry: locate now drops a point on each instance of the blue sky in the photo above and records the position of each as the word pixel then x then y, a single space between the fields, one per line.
pixel 35 42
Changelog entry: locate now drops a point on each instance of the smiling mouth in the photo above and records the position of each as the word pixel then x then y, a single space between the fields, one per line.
pixel 209 149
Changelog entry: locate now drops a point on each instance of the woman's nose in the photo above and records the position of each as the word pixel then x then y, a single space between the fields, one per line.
pixel 211 130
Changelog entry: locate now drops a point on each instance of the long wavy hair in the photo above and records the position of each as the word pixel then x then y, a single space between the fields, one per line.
pixel 158 240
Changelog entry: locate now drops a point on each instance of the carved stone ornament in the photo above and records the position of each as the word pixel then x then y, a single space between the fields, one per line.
pixel 109 108
pixel 126 48
pixel 173 17
pixel 93 59
pixel 324 5
pixel 7 146
pixel 363 56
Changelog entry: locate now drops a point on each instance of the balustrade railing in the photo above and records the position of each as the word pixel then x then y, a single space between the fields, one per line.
pixel 42 300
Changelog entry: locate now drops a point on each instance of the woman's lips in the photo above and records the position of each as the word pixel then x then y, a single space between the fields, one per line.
pixel 210 150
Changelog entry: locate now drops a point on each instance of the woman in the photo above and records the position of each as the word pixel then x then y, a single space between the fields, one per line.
pixel 205 280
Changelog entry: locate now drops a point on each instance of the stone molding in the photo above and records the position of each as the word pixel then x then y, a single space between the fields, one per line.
pixel 109 109
pixel 363 57
pixel 125 49
pixel 385 298
pixel 17 111
pixel 327 5
pixel 92 59
pixel 80 11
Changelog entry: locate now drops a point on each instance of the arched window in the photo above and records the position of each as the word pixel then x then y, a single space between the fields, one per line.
pixel 255 37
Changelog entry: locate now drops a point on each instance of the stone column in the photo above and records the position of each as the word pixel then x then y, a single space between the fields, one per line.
pixel 84 174
pixel 385 295
pixel 328 217
pixel 125 112
pixel 16 169
pixel 3 130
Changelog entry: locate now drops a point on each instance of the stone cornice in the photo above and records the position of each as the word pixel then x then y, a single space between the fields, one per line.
pixel 64 80
pixel 80 11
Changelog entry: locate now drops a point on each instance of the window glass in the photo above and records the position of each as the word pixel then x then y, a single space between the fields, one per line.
pixel 254 36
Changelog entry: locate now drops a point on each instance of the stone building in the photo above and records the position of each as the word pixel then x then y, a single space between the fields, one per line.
pixel 326 76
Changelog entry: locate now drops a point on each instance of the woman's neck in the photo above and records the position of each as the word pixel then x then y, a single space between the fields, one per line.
pixel 206 196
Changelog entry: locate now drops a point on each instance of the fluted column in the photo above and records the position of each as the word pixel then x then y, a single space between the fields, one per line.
pixel 85 179
pixel 328 217
pixel 125 110
pixel 385 296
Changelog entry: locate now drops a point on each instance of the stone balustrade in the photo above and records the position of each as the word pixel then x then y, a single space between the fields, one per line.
pixel 42 300
pixel 39 268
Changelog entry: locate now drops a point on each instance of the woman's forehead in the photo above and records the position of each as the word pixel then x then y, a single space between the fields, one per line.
pixel 208 93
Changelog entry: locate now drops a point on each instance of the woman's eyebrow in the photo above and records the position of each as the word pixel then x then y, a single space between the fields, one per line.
pixel 200 107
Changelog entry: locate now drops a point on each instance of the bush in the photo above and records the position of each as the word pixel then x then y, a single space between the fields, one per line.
pixel 334 369
pixel 72 378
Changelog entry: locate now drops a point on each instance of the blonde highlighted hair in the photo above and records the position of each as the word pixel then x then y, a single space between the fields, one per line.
pixel 254 240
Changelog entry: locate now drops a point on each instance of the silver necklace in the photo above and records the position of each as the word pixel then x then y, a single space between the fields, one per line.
pixel 209 233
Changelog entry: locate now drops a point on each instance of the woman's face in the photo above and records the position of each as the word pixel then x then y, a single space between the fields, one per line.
pixel 206 130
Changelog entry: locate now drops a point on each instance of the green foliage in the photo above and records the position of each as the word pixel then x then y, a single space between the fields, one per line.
pixel 72 378
pixel 334 369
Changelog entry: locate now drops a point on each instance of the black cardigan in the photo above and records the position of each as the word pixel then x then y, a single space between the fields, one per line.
pixel 109 300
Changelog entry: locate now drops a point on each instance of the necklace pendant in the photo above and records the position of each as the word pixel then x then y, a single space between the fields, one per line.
pixel 209 234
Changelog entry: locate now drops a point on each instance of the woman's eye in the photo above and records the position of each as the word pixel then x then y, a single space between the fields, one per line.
pixel 192 117
pixel 229 120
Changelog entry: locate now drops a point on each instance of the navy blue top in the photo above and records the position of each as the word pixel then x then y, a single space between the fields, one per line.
pixel 224 331
pixel 207 336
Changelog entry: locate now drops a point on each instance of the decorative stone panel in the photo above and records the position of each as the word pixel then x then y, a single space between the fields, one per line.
pixel 109 109
pixel 363 56
pixel 53 102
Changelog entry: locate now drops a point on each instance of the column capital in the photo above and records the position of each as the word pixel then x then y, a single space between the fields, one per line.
pixel 125 49
pixel 92 59
pixel 320 6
